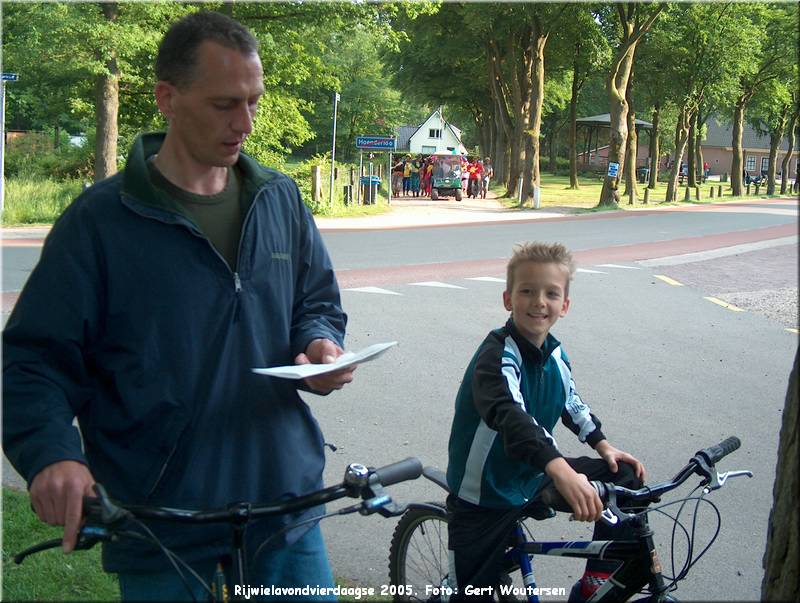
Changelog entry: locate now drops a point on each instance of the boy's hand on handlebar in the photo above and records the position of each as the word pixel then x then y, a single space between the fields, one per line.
pixel 613 455
pixel 576 490
pixel 57 493
pixel 325 351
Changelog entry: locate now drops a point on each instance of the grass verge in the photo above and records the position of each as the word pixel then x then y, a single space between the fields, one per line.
pixel 31 201
pixel 50 575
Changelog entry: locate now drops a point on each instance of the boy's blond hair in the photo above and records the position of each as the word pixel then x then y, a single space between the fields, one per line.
pixel 536 251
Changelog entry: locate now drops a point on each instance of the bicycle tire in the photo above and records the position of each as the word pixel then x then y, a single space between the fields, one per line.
pixel 418 555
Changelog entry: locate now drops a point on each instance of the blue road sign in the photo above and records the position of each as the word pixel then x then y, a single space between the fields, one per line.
pixel 10 77
pixel 379 143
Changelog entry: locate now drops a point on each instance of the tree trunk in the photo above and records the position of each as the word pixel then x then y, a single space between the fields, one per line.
pixel 532 174
pixel 655 151
pixel 788 156
pixel 107 108
pixel 681 138
pixel 619 134
pixel 737 162
pixel 782 557
pixel 632 150
pixel 573 131
pixel 775 138
pixel 698 144
pixel 552 165
pixel 691 166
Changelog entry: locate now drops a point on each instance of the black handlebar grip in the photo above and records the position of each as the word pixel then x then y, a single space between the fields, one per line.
pixel 713 454
pixel 407 469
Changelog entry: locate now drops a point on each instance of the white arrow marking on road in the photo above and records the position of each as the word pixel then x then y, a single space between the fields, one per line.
pixel 436 284
pixel 488 279
pixel 373 290
pixel 618 266
pixel 590 271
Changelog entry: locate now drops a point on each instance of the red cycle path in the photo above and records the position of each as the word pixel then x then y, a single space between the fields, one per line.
pixel 387 275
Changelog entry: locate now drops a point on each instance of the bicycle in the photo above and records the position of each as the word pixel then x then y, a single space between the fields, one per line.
pixel 418 556
pixel 107 520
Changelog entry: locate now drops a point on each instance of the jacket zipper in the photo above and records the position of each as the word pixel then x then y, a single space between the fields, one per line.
pixel 234 270
pixel 163 469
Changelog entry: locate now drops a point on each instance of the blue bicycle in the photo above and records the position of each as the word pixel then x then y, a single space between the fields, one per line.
pixel 418 557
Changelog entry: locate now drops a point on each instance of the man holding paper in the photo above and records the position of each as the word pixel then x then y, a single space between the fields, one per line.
pixel 157 293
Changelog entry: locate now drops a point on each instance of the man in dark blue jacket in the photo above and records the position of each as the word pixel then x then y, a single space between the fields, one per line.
pixel 157 291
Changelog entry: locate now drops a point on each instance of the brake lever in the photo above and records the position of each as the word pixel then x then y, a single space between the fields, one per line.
pixel 87 538
pixel 718 479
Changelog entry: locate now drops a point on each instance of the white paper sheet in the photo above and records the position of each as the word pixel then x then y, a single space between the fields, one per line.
pixel 301 371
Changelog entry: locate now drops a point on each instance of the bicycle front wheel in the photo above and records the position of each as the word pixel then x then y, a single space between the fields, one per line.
pixel 418 559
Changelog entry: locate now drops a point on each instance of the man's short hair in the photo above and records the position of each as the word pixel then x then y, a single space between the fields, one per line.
pixel 555 253
pixel 177 53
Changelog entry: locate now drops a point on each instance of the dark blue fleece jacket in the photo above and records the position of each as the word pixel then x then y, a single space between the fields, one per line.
pixel 133 323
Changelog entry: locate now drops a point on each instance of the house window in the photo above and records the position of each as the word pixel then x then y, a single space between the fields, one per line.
pixel 434 133
pixel 750 164
pixel 428 150
pixel 764 164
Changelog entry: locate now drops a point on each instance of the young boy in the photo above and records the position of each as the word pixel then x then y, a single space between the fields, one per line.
pixel 501 451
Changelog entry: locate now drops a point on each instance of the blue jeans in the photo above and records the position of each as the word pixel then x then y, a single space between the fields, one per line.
pixel 305 563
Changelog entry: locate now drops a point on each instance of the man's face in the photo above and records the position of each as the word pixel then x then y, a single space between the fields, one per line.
pixel 210 117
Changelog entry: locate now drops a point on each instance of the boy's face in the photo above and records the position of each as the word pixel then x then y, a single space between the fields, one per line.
pixel 538 298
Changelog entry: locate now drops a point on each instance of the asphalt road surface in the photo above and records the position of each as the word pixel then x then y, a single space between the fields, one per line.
pixel 666 369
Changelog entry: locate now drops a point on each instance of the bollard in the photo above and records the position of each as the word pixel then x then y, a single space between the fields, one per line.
pixel 719 190
pixel 758 186
pixel 688 195
pixel 748 189
pixel 519 191
pixel 725 177
pixel 348 194
pixel 697 193
pixel 537 197
pixel 712 192
pixel 646 196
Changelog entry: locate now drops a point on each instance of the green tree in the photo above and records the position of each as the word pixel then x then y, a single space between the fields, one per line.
pixel 774 42
pixel 634 20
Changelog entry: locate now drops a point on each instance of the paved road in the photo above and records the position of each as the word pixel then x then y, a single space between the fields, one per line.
pixel 666 369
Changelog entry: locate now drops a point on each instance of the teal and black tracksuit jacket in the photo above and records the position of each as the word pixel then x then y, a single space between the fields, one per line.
pixel 512 395
pixel 134 323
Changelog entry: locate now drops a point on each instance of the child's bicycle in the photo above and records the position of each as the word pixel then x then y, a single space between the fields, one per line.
pixel 108 521
pixel 418 557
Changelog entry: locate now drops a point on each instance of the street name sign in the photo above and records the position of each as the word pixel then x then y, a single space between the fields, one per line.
pixel 376 143
pixel 10 77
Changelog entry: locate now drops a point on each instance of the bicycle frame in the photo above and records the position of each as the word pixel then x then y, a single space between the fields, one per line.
pixel 640 562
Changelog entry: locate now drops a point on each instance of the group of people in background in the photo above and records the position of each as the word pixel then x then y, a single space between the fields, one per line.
pixel 413 176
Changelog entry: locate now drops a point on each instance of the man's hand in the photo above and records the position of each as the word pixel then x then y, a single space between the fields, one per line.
pixel 576 490
pixel 613 455
pixel 57 493
pixel 324 351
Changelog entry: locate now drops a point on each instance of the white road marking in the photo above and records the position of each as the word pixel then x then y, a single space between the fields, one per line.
pixel 686 258
pixel 619 266
pixel 436 284
pixel 586 270
pixel 488 279
pixel 373 290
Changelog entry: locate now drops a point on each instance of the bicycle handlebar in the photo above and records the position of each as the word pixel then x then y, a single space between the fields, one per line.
pixel 105 517
pixel 702 463
pixel 401 471
pixel 713 454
